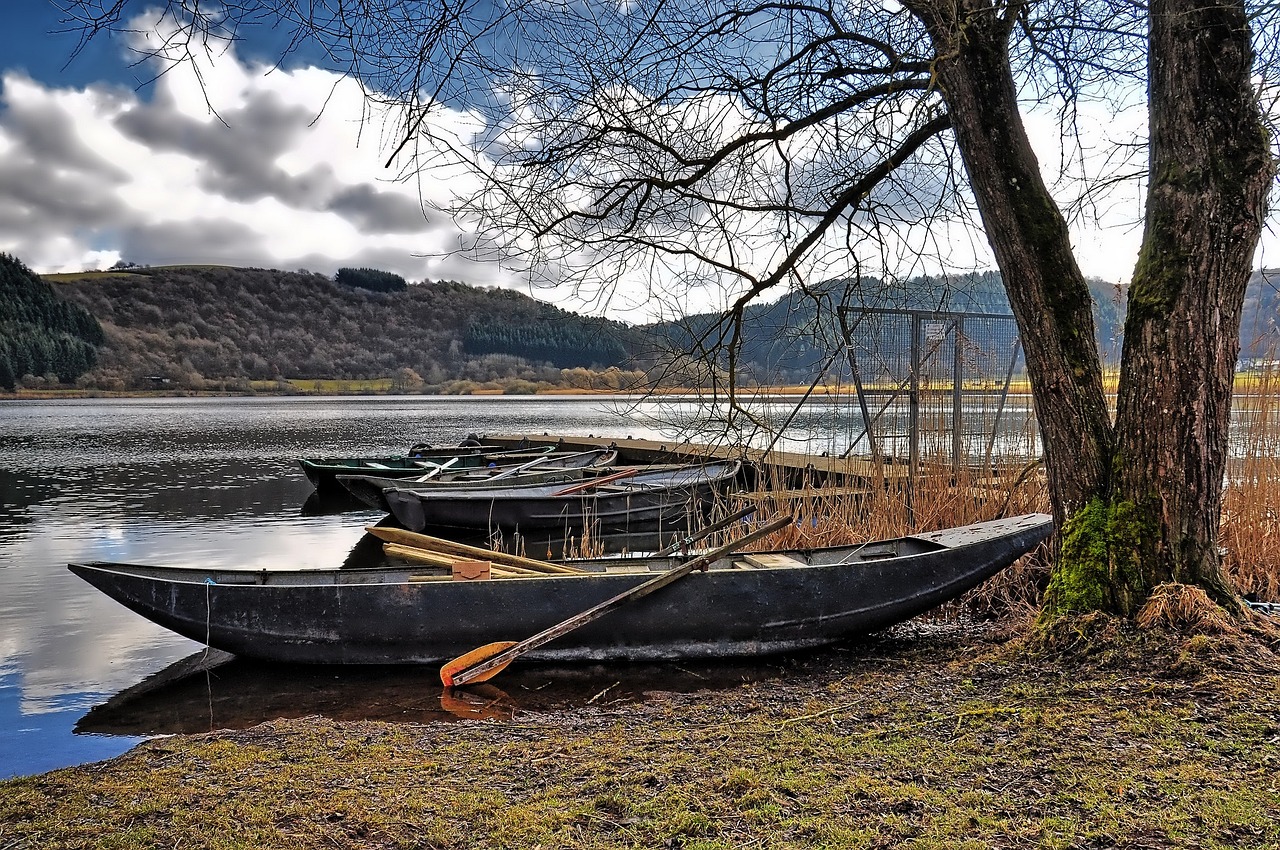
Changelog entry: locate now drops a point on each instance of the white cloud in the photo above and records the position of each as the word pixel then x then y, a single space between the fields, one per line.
pixel 224 162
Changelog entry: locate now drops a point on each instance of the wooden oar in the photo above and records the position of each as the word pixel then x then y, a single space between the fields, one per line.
pixel 437 468
pixel 516 470
pixel 437 559
pixel 437 544
pixel 485 662
pixel 596 482
pixel 709 530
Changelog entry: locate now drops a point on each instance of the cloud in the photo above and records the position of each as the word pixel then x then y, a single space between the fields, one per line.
pixel 374 211
pixel 227 163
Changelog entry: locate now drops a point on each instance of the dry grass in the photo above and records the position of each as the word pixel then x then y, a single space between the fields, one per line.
pixel 1010 485
pixel 1251 503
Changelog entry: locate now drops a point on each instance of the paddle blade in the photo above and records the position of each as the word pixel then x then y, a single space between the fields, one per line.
pixel 476 656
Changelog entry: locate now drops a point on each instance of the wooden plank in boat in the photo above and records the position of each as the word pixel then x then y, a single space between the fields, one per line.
pixel 772 559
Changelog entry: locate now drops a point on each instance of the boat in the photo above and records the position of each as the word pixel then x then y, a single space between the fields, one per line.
pixel 322 472
pixel 633 498
pixel 744 604
pixel 553 468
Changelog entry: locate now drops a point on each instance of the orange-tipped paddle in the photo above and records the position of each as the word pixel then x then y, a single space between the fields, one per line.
pixel 475 656
pixel 485 662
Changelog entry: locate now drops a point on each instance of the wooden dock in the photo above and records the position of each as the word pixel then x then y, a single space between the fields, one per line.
pixel 791 469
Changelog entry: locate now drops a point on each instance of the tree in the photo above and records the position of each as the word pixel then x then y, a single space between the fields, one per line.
pixel 756 144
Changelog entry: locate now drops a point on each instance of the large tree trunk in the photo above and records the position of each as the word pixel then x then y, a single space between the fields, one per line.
pixel 1140 503
pixel 1029 236
pixel 1210 170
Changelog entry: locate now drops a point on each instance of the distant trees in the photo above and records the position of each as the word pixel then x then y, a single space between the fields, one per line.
pixel 40 334
pixel 219 324
pixel 371 279
pixel 563 342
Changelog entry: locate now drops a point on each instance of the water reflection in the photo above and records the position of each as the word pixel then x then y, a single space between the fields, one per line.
pixel 203 693
pixel 186 482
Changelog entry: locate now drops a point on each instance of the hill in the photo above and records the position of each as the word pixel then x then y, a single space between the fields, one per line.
pixel 212 327
pixel 42 338
pixel 202 326
pixel 790 340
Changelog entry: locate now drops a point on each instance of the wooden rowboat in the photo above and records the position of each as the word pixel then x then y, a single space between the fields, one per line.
pixel 744 604
pixel 549 469
pixel 642 499
pixel 322 472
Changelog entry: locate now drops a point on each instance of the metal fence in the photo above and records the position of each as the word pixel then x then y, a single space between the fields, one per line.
pixel 935 387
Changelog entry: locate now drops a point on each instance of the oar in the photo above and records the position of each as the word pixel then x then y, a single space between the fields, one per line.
pixel 596 482
pixel 551 458
pixel 516 470
pixel 438 559
pixel 709 530
pixel 437 544
pixel 485 662
pixel 437 468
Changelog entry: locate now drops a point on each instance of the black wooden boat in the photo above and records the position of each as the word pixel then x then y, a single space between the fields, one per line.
pixel 643 499
pixel 552 468
pixel 322 472
pixel 744 604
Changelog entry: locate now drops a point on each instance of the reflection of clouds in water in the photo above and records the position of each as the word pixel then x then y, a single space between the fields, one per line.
pixel 70 641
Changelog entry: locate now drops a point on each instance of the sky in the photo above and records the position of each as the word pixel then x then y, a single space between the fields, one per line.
pixel 253 165
pixel 101 163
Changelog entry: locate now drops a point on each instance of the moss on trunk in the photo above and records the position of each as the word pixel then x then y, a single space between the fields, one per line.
pixel 1099 566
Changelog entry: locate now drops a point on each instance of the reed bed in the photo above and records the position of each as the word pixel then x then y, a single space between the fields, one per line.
pixel 1251 501
pixel 1010 482
pixel 987 484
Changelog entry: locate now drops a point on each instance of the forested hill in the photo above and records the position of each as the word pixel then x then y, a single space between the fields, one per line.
pixel 40 334
pixel 790 340
pixel 212 327
pixel 193 326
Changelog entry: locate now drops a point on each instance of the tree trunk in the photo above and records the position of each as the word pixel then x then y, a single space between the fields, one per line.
pixel 1029 236
pixel 1210 170
pixel 1139 503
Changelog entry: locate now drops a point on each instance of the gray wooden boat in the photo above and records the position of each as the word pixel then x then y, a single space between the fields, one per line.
pixel 322 472
pixel 643 499
pixel 563 469
pixel 745 604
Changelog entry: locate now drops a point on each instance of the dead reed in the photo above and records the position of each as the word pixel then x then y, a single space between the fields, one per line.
pixel 1008 481
pixel 1250 532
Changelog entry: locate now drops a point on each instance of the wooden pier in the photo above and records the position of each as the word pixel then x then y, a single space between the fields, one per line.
pixel 781 469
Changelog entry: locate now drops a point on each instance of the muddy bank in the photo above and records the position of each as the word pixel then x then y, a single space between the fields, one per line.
pixel 941 737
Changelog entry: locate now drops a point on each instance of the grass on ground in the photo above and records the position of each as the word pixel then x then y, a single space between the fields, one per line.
pixel 943 737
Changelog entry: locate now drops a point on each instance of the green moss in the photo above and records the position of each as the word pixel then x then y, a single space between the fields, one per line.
pixel 1099 566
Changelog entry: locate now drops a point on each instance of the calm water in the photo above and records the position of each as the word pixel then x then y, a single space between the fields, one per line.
pixel 213 482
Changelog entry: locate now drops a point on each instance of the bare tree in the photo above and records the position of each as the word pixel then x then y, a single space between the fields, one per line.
pixel 755 144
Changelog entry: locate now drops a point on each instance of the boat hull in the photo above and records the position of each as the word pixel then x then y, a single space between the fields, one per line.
pixel 381 616
pixel 644 501
pixel 369 489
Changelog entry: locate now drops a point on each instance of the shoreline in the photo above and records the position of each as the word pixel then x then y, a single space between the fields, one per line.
pixel 788 392
pixel 936 736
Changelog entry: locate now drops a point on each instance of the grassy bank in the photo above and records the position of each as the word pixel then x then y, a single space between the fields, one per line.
pixel 929 739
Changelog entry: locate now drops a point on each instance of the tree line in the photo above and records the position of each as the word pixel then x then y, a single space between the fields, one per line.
pixel 201 327
pixel 43 339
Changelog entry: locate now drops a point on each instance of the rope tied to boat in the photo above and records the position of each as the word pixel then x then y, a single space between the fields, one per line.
pixel 208 614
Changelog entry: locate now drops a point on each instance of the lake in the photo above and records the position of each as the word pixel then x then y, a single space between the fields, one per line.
pixel 214 482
